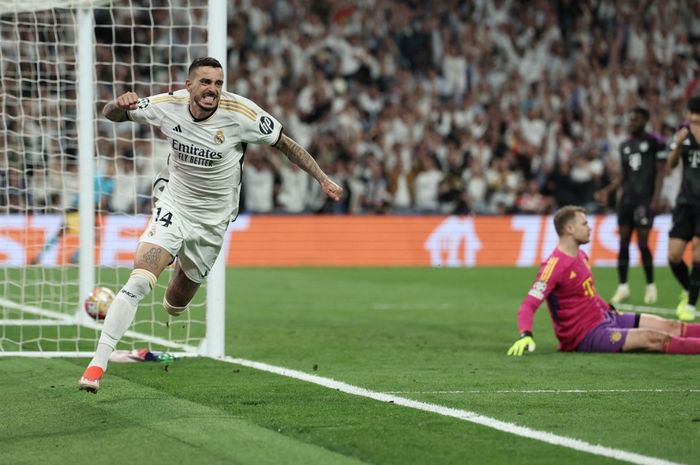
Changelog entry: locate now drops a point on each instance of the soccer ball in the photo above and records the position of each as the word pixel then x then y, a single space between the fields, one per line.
pixel 98 302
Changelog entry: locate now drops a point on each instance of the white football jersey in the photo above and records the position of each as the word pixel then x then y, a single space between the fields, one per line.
pixel 206 156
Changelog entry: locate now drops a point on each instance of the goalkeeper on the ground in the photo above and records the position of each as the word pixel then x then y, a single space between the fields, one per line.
pixel 583 321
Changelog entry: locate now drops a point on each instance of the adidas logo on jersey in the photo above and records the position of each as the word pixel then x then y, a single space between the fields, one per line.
pixel 177 129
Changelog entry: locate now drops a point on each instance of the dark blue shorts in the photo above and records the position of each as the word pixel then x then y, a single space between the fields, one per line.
pixel 635 216
pixel 610 335
pixel 686 222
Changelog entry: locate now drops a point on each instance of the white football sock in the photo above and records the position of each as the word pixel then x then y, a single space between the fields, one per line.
pixel 121 314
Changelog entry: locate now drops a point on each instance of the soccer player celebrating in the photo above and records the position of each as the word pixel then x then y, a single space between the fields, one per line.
pixel 686 213
pixel 582 320
pixel 642 159
pixel 207 130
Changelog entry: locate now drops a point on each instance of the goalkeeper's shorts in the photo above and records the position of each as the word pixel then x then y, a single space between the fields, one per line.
pixel 611 334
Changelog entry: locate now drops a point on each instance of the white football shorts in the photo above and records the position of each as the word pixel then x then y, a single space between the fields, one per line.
pixel 195 245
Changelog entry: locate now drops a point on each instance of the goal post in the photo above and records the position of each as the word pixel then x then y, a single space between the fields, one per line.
pixel 75 187
pixel 216 295
pixel 86 153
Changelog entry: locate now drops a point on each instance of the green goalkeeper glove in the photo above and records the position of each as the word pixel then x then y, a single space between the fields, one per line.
pixel 525 341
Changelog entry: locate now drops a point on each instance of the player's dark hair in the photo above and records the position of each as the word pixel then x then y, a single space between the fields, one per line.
pixel 694 105
pixel 641 111
pixel 564 216
pixel 204 61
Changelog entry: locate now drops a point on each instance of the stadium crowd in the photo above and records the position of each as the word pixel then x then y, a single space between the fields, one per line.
pixel 483 106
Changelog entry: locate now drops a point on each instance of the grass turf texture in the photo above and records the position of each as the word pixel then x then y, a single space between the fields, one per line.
pixel 421 332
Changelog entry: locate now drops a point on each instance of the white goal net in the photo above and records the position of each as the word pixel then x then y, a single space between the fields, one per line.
pixel 140 45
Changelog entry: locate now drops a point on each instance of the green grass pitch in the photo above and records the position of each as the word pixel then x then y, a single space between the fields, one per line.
pixel 433 335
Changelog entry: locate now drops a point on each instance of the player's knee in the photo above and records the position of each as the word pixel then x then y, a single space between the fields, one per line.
pixel 662 326
pixel 645 340
pixel 673 327
pixel 654 340
pixel 139 284
pixel 174 310
pixel 696 255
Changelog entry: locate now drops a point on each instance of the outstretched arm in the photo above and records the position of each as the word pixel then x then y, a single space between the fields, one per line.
pixel 544 284
pixel 525 316
pixel 116 109
pixel 299 156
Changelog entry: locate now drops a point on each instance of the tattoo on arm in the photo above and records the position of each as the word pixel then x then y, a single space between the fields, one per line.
pixel 299 156
pixel 113 113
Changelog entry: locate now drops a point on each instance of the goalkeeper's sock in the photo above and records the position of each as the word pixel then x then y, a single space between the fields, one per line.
pixel 690 330
pixel 121 314
pixel 681 345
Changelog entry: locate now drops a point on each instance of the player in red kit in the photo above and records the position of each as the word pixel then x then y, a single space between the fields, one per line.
pixel 583 321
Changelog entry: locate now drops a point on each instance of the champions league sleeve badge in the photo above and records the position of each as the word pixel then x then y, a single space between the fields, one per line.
pixel 219 137
pixel 537 290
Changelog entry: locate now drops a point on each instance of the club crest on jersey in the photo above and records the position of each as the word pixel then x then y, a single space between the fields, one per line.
pixel 266 125
pixel 644 146
pixel 219 137
pixel 537 290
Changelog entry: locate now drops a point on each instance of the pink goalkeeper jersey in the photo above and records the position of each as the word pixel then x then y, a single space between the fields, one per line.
pixel 574 304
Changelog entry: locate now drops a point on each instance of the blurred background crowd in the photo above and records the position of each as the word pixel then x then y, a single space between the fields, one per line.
pixel 446 107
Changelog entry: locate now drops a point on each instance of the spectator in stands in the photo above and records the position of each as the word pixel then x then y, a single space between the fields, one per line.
pixel 542 83
pixel 477 187
pixel 104 185
pixel 400 182
pixel 125 193
pixel 258 182
pixel 532 201
pixel 503 184
pixel 375 198
pixel 452 187
pixel 293 191
pixel 425 184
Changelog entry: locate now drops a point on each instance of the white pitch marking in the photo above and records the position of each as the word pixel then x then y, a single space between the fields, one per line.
pixel 511 428
pixel 645 308
pixel 418 306
pixel 34 310
pixel 544 391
